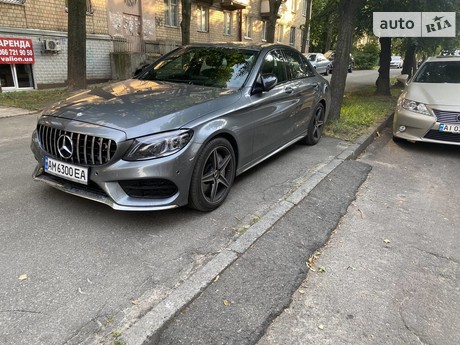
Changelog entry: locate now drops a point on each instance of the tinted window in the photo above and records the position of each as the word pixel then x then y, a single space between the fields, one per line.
pixel 217 67
pixel 274 63
pixel 298 68
pixel 439 72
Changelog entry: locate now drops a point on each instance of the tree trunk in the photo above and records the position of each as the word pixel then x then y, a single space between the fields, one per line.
pixel 383 81
pixel 76 60
pixel 185 23
pixel 272 18
pixel 409 65
pixel 347 11
pixel 306 29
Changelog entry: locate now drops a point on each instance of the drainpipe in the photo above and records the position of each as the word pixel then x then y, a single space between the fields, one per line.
pixel 240 25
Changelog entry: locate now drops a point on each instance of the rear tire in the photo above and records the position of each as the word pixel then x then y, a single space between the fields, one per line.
pixel 212 176
pixel 315 128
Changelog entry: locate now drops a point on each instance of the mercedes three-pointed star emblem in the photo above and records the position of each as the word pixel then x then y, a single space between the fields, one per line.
pixel 65 146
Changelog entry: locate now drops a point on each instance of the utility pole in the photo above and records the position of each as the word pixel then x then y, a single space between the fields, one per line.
pixel 306 28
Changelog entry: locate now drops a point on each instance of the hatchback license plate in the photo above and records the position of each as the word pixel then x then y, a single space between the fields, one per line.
pixel 444 127
pixel 68 171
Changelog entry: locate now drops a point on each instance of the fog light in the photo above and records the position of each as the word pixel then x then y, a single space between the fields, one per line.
pixel 402 128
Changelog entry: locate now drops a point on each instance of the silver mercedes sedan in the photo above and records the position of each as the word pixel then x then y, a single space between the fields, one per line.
pixel 183 128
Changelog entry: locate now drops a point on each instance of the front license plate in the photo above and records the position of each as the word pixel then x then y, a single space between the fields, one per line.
pixel 68 171
pixel 444 127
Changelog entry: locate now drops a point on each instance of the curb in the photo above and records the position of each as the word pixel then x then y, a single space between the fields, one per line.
pixel 148 328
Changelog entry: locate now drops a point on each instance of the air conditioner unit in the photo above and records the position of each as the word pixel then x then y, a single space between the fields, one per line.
pixel 52 45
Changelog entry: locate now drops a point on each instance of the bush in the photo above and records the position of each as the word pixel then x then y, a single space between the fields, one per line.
pixel 367 56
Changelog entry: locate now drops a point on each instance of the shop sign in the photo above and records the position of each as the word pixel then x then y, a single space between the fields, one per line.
pixel 16 51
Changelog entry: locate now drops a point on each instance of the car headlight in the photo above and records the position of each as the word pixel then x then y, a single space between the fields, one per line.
pixel 158 145
pixel 416 107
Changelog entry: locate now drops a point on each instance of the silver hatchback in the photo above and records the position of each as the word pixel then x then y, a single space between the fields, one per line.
pixel 181 130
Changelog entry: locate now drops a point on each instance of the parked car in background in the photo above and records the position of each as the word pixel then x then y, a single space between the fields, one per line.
pixel 330 54
pixel 322 64
pixel 396 62
pixel 181 130
pixel 429 107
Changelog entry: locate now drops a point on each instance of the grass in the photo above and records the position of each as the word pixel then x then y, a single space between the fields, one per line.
pixel 33 100
pixel 361 110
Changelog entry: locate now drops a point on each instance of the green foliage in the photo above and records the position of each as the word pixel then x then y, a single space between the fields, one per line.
pixel 366 57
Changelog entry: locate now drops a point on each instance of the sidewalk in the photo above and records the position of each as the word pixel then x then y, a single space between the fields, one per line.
pixel 391 272
pixel 12 111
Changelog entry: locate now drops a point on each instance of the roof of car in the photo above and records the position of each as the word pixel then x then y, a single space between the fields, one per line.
pixel 443 58
pixel 243 45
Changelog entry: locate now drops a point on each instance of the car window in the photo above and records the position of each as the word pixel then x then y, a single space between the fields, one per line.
pixel 312 57
pixel 439 72
pixel 216 67
pixel 274 63
pixel 297 66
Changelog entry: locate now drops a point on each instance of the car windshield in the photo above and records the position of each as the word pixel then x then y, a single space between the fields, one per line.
pixel 312 57
pixel 208 66
pixel 439 72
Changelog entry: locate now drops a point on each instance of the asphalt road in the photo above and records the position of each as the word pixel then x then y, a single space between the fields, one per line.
pixel 391 271
pixel 358 79
pixel 73 269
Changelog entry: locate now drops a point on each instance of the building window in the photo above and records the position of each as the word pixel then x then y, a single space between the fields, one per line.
pixel 203 18
pixel 264 30
pixel 292 36
pixel 304 8
pixel 279 33
pixel 14 77
pixel 228 23
pixel 171 12
pixel 15 2
pixel 247 26
pixel 89 7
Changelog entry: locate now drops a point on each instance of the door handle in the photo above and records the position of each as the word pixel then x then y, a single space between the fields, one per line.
pixel 289 89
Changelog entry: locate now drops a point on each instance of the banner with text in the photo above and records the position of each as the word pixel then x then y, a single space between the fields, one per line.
pixel 16 51
pixel 414 24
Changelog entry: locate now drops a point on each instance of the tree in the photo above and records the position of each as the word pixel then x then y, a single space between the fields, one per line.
pixel 272 17
pixel 383 80
pixel 347 12
pixel 185 23
pixel 76 60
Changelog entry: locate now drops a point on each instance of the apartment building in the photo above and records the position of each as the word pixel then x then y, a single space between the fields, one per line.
pixel 33 33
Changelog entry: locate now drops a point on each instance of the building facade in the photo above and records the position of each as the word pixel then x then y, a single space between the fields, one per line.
pixel 33 33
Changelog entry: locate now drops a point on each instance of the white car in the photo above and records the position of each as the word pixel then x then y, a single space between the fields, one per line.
pixel 321 63
pixel 396 62
pixel 429 107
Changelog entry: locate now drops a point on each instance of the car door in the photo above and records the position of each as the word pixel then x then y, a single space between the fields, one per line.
pixel 306 89
pixel 272 111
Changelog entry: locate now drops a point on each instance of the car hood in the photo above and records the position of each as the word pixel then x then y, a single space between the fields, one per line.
pixel 434 94
pixel 140 107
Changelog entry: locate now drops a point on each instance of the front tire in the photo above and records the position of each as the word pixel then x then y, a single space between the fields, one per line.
pixel 315 128
pixel 212 176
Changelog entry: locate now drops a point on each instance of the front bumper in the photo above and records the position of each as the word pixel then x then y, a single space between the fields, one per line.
pixel 422 128
pixel 104 180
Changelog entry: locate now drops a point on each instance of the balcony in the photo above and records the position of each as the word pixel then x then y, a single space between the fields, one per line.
pixel 232 5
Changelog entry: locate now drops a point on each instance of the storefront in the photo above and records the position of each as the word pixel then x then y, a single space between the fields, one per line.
pixel 16 62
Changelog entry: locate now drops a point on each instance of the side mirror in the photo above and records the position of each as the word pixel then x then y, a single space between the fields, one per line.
pixel 403 78
pixel 265 82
